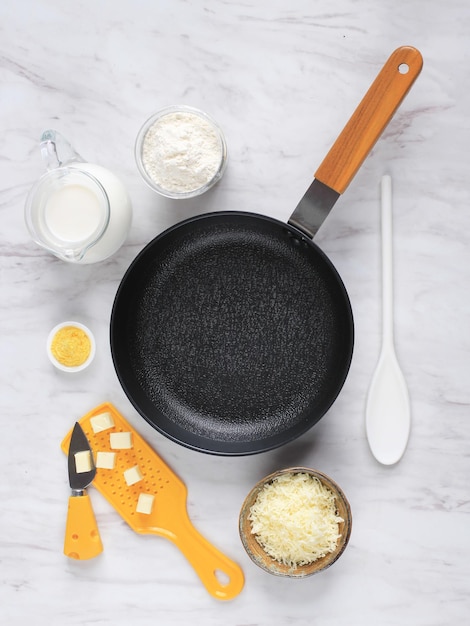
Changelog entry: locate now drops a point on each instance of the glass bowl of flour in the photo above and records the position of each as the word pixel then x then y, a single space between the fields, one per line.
pixel 181 152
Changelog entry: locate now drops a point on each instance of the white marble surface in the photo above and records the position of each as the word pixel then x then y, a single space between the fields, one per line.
pixel 281 79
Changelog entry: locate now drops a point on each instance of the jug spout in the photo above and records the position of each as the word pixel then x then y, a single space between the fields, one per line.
pixel 72 256
pixel 56 151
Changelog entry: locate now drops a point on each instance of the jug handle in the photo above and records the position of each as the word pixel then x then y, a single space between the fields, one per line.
pixel 56 151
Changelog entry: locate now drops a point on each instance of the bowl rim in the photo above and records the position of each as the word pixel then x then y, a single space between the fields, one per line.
pixel 264 560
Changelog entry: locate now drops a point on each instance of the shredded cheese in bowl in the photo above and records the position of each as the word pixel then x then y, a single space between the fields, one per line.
pixel 295 522
pixel 294 518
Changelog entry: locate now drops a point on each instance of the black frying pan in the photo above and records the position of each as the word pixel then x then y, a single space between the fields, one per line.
pixel 232 332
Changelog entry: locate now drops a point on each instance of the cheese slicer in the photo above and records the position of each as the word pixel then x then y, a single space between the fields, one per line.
pixel 82 538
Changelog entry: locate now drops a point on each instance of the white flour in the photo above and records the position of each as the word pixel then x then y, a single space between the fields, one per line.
pixel 181 152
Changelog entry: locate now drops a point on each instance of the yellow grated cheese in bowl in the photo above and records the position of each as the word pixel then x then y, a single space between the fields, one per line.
pixel 295 520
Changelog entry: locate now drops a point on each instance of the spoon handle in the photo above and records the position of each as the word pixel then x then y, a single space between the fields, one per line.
pixel 387 261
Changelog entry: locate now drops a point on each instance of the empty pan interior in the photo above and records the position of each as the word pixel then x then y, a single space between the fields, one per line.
pixel 231 333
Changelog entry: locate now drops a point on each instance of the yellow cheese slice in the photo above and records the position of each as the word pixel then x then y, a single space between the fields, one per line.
pixel 133 475
pixel 101 422
pixel 145 503
pixel 105 460
pixel 83 461
pixel 120 441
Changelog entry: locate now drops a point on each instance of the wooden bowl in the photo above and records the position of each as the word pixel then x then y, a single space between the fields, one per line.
pixel 256 552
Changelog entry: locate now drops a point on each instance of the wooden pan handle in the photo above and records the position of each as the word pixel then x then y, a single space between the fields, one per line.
pixel 370 118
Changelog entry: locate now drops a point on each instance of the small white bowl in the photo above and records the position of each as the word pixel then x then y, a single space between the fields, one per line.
pixel 58 364
pixel 218 167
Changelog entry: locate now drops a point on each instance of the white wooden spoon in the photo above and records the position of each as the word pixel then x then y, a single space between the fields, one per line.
pixel 388 414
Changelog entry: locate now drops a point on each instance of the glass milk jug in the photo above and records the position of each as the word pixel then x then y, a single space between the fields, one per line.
pixel 79 211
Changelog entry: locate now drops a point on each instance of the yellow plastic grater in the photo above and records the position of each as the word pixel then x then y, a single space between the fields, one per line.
pixel 169 517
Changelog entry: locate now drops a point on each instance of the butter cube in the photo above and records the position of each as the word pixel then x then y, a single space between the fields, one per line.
pixel 83 461
pixel 120 441
pixel 105 460
pixel 133 475
pixel 145 503
pixel 101 422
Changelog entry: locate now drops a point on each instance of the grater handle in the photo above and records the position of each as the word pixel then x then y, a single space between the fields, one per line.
pixel 222 577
